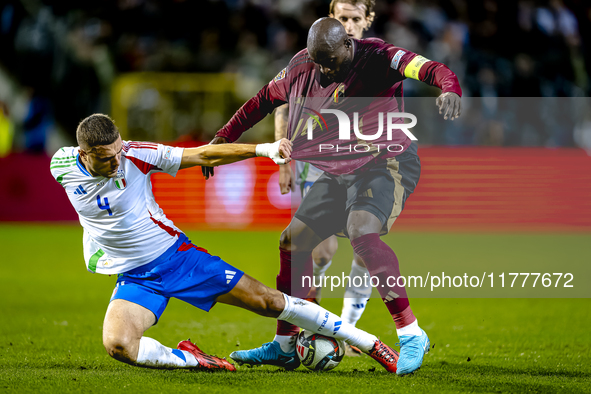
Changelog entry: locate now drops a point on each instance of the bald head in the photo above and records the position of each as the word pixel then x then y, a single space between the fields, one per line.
pixel 330 47
pixel 327 35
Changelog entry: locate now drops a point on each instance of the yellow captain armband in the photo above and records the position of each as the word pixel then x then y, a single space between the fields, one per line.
pixel 413 68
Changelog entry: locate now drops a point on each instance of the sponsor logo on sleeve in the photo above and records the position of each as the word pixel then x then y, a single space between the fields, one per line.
pixel 281 75
pixel 80 190
pixel 396 59
pixel 168 153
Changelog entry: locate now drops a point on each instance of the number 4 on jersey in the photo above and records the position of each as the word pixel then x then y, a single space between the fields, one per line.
pixel 105 205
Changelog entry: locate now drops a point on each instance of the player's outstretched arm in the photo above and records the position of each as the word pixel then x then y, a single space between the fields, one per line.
pixel 433 73
pixel 208 171
pixel 253 111
pixel 217 155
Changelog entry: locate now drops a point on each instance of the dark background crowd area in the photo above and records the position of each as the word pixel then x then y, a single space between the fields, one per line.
pixel 64 55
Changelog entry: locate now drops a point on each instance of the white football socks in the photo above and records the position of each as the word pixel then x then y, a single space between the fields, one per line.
pixel 153 354
pixel 357 294
pixel 318 278
pixel 313 317
pixel 288 342
pixel 412 329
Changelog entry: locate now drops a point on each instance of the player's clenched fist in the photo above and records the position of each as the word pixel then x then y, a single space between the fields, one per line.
pixel 450 105
pixel 279 151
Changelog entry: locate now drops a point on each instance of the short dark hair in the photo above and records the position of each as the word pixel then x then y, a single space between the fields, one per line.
pixel 369 6
pixel 97 129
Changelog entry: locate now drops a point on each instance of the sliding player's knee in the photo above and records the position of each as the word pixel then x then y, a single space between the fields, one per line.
pixel 121 347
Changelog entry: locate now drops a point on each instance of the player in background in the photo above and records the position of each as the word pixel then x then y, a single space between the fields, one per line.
pixel 362 193
pixel 127 234
pixel 357 17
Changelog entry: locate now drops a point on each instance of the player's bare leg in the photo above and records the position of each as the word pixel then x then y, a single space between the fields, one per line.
pixel 123 329
pixel 295 247
pixel 363 229
pixel 322 259
pixel 298 237
pixel 358 291
pixel 252 295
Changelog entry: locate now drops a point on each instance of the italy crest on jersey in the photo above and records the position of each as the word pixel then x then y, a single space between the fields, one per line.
pixel 120 181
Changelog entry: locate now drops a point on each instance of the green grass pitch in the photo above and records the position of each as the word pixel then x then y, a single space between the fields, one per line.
pixel 51 316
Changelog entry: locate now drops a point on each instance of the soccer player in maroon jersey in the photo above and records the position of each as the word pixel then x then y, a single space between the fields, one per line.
pixel 356 16
pixel 360 192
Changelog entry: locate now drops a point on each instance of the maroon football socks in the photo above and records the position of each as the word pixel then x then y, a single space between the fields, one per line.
pixel 382 263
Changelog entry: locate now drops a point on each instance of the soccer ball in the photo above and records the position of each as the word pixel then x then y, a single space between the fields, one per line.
pixel 319 353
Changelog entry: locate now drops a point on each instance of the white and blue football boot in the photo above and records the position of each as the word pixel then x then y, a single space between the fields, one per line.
pixel 412 350
pixel 269 353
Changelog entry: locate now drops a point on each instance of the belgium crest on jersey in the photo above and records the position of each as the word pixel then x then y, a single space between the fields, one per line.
pixel 339 92
pixel 120 181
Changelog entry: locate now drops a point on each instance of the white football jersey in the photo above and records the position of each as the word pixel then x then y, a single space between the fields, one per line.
pixel 124 227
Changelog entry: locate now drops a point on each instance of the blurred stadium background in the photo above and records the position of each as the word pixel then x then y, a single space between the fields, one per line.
pixel 62 60
pixel 175 71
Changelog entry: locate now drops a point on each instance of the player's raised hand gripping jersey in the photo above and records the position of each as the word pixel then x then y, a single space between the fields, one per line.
pixel 124 227
pixel 377 71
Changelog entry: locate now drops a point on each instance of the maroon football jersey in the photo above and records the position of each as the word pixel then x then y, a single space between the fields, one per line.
pixel 372 86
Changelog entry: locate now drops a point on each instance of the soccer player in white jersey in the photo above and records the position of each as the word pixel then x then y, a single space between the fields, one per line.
pixel 126 234
pixel 356 16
